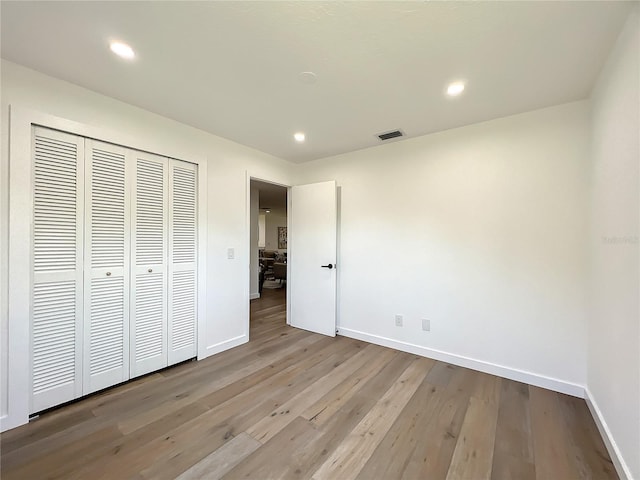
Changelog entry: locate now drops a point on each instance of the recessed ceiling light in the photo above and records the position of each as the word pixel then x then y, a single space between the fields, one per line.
pixel 455 89
pixel 307 77
pixel 267 211
pixel 299 137
pixel 122 50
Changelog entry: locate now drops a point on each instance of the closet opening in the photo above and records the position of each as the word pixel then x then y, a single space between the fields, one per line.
pixel 114 265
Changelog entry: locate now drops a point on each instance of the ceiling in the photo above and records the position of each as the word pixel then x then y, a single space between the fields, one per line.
pixel 232 68
pixel 272 197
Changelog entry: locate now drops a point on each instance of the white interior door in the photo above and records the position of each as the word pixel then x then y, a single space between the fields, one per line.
pixel 183 275
pixel 106 261
pixel 56 296
pixel 149 269
pixel 312 257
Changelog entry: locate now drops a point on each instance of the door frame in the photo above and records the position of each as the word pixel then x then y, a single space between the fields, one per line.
pixel 247 295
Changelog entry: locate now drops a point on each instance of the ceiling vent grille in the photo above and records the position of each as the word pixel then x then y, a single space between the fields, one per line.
pixel 390 135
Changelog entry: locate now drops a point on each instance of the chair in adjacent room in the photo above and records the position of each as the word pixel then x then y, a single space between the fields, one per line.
pixel 280 272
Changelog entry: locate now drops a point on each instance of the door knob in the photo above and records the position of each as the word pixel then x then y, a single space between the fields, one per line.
pixel 330 266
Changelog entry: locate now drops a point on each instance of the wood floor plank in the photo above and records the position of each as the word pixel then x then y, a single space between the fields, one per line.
pixel 473 456
pixel 254 379
pixel 223 459
pixel 272 460
pixel 434 449
pixel 477 384
pixel 197 438
pixel 587 448
pixel 59 427
pixel 390 458
pixel 330 403
pixel 58 463
pixel 264 430
pixel 110 453
pixel 202 390
pixel 352 454
pixel 33 452
pixel 24 446
pixel 334 408
pixel 441 374
pixel 49 425
pixel 191 444
pixel 513 453
pixel 552 455
pixel 486 388
pixel 217 366
pixel 333 429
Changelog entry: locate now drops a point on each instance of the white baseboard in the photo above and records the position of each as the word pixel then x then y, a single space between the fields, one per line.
pixel 542 381
pixel 224 345
pixel 4 423
pixel 253 296
pixel 7 422
pixel 612 447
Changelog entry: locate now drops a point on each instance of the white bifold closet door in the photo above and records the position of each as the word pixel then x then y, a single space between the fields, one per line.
pixel 106 261
pixel 150 256
pixel 183 185
pixel 56 297
pixel 114 265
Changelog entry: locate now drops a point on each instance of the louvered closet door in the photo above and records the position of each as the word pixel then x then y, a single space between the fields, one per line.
pixel 183 185
pixel 56 319
pixel 149 278
pixel 107 256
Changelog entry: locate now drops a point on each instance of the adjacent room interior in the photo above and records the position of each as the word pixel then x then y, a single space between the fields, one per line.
pixel 268 240
pixel 328 240
pixel 268 237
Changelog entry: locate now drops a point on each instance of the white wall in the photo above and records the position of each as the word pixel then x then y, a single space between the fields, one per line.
pixel 274 220
pixel 254 208
pixel 4 256
pixel 613 380
pixel 481 230
pixel 229 166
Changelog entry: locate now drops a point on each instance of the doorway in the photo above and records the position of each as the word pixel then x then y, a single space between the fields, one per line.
pixel 268 250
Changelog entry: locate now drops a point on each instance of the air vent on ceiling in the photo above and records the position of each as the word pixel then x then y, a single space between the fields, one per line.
pixel 390 135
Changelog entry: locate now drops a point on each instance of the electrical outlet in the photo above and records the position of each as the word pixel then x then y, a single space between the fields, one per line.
pixel 398 320
pixel 231 253
pixel 426 324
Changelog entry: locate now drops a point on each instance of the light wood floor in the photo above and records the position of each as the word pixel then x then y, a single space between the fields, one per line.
pixel 292 404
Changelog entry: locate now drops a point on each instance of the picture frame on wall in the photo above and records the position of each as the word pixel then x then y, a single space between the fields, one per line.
pixel 282 237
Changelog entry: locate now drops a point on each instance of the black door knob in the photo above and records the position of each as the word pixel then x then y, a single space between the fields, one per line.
pixel 330 266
